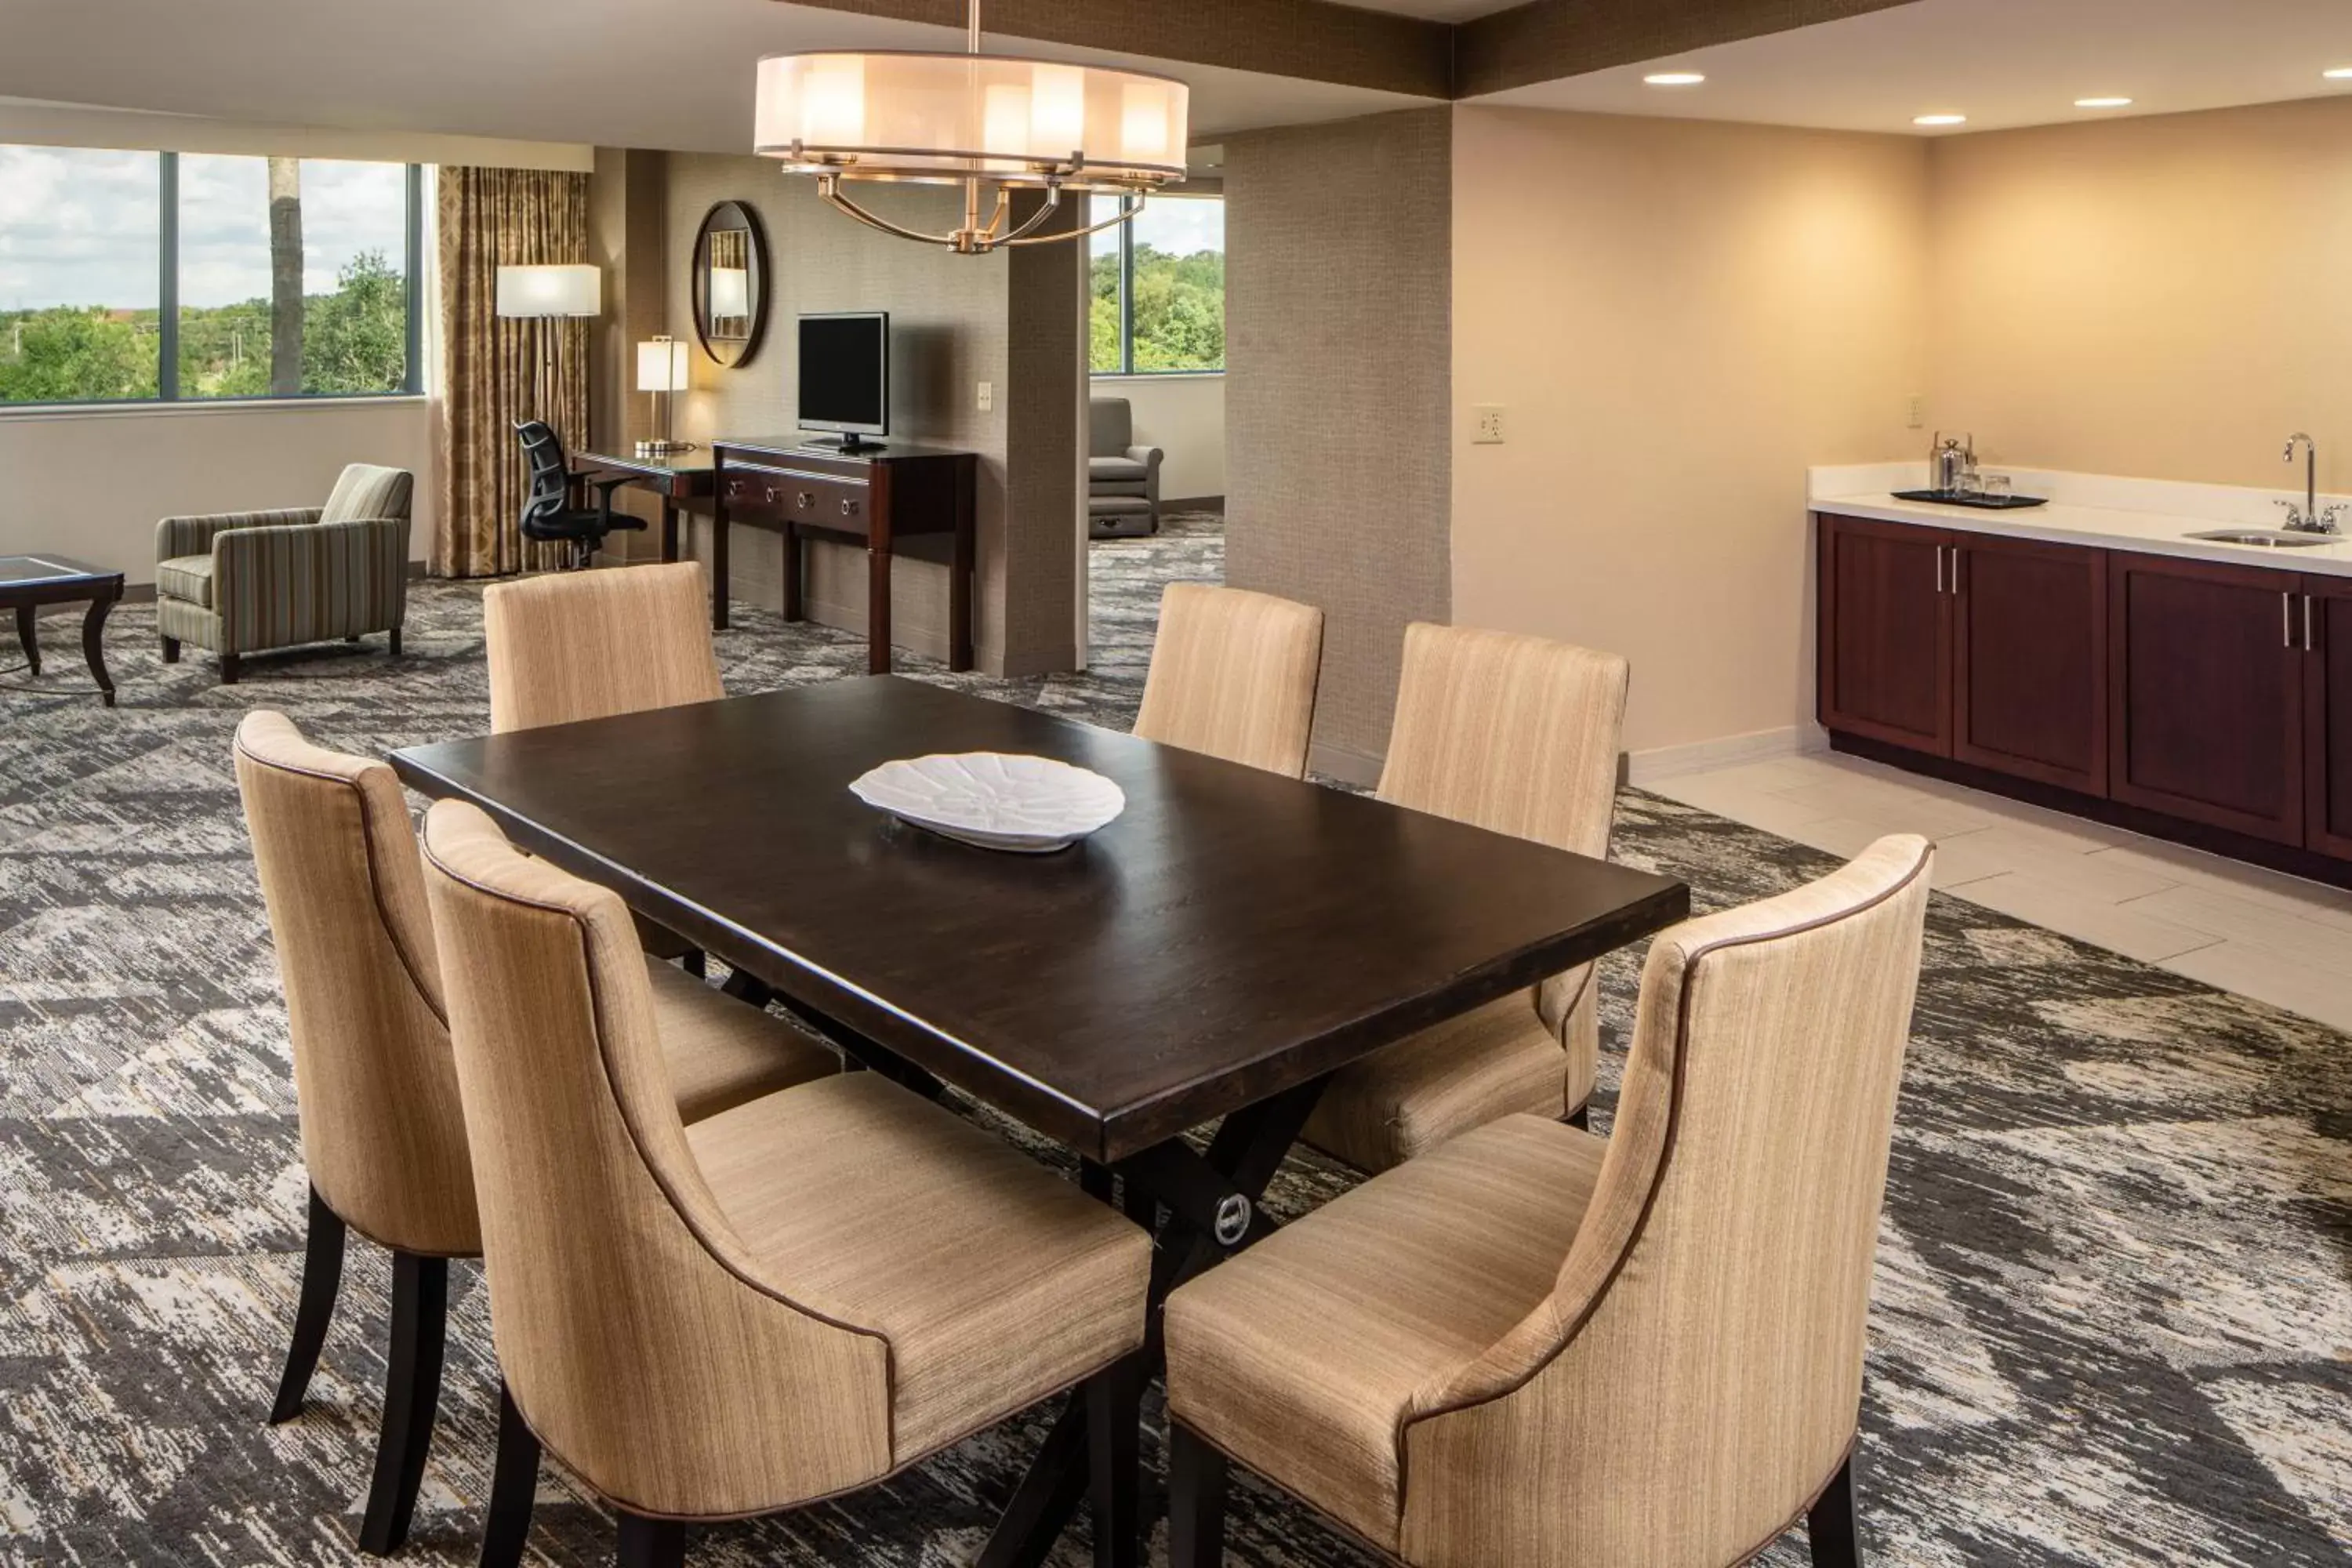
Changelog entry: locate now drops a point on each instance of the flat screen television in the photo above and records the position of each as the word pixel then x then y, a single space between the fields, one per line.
pixel 844 375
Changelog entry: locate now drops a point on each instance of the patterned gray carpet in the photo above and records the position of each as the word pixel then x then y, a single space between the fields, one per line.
pixel 2113 1321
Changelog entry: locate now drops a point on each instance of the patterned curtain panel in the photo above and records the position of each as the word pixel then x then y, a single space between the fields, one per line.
pixel 503 371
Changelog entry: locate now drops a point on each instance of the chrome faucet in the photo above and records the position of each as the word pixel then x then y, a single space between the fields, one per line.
pixel 2307 518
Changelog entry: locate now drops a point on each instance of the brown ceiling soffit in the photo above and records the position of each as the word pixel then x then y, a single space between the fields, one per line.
pixel 1310 40
pixel 1548 39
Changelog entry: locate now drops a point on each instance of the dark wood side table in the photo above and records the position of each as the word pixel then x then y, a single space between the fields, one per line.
pixel 28 582
pixel 873 499
pixel 681 477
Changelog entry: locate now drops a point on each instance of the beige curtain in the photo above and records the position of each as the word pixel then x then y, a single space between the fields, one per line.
pixel 498 371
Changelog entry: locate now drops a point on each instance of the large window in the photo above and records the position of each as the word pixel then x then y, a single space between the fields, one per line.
pixel 128 277
pixel 1158 289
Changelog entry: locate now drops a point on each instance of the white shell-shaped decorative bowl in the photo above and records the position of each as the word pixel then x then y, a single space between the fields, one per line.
pixel 1031 805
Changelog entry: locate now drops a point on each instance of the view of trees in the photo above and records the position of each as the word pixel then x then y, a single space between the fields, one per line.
pixel 286 343
pixel 1180 311
pixel 353 341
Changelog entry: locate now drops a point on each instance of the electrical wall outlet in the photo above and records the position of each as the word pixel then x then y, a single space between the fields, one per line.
pixel 1917 412
pixel 1486 425
pixel 988 397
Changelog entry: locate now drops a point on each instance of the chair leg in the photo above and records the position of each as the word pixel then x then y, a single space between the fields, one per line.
pixel 513 1484
pixel 1115 1461
pixel 652 1543
pixel 323 1274
pixel 395 642
pixel 1196 1501
pixel 1581 1118
pixel 1830 1524
pixel 228 669
pixel 171 650
pixel 411 1389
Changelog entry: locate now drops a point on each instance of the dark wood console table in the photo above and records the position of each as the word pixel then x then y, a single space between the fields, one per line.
pixel 870 498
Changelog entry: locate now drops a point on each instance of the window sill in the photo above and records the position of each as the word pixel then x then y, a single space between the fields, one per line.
pixel 30 412
pixel 1157 375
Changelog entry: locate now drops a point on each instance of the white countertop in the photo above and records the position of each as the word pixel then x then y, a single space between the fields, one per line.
pixel 2151 516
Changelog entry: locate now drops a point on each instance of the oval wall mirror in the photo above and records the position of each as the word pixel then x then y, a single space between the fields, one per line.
pixel 730 284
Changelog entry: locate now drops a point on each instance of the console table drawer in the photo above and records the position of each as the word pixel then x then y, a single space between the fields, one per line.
pixel 783 495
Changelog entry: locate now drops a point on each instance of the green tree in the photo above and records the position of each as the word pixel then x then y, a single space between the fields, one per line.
pixel 356 339
pixel 1179 312
pixel 68 355
pixel 1102 315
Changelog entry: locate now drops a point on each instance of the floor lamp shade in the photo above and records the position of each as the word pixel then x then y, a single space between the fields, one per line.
pixel 556 291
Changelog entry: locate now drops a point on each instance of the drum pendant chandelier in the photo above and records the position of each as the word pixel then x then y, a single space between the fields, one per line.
pixel 972 119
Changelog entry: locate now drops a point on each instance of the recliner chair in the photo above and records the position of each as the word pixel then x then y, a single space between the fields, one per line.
pixel 548 514
pixel 1122 478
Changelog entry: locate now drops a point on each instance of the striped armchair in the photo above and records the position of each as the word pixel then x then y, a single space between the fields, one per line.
pixel 239 583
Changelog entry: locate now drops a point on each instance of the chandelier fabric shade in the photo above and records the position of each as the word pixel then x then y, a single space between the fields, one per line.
pixel 945 119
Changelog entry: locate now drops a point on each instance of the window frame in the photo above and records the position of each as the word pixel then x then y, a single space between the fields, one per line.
pixel 167 315
pixel 1126 370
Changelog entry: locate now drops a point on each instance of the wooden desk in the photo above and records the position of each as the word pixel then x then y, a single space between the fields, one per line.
pixel 1221 949
pixel 872 499
pixel 680 477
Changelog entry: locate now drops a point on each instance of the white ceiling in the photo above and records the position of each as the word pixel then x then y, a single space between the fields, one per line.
pixel 2000 62
pixel 673 74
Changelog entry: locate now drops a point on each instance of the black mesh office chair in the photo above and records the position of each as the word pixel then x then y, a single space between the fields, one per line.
pixel 548 514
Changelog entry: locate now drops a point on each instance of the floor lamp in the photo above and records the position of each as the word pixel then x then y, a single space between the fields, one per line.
pixel 566 292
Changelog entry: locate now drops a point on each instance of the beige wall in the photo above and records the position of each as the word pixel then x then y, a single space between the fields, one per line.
pixel 1337 259
pixel 1678 317
pixel 1185 417
pixel 951 322
pixel 2163 297
pixel 92 485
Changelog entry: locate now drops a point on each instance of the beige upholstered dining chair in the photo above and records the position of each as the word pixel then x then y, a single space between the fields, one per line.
pixel 590 645
pixel 796 1297
pixel 1519 735
pixel 1233 674
pixel 384 1136
pixel 1533 1347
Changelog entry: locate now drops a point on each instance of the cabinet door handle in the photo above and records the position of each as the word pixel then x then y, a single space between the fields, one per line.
pixel 1940 568
pixel 2286 619
pixel 1954 589
pixel 849 508
pixel 2307 622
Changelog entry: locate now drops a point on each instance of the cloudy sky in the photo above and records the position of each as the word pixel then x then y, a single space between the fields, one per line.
pixel 1176 225
pixel 79 227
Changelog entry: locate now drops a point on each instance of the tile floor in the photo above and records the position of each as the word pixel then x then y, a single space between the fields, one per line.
pixel 2258 933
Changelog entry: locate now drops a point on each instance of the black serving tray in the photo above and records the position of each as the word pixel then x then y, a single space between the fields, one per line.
pixel 1982 503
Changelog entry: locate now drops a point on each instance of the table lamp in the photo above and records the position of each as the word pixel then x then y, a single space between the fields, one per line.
pixel 539 292
pixel 662 371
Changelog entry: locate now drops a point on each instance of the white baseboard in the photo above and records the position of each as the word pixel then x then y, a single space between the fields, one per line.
pixel 1731 752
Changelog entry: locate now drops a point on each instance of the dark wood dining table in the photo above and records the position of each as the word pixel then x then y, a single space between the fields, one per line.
pixel 1213 955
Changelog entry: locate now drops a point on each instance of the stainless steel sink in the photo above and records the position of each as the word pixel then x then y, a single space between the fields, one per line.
pixel 2274 539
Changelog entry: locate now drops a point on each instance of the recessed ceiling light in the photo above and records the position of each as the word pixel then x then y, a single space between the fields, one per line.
pixel 2102 103
pixel 1674 78
pixel 1941 120
pixel 2341 73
